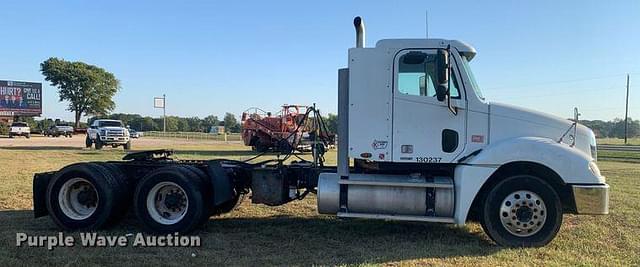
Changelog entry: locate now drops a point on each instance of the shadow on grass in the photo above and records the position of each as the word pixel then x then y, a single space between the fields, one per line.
pixel 282 240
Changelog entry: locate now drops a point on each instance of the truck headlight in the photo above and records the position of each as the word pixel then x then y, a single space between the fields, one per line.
pixel 593 167
pixel 103 132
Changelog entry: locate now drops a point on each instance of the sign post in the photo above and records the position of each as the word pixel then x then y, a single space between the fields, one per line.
pixel 160 102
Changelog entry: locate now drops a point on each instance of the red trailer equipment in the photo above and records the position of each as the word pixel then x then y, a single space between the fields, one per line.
pixel 263 131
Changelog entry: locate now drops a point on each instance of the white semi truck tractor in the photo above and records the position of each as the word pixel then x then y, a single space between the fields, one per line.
pixel 425 145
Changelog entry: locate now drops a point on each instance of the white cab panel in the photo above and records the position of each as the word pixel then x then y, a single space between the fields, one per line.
pixel 370 104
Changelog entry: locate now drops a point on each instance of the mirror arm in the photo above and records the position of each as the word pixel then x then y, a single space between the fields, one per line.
pixel 454 110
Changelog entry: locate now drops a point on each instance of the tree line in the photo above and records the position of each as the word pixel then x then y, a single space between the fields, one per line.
pixel 613 128
pixel 174 123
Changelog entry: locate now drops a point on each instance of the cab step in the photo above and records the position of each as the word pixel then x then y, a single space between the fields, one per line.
pixel 413 218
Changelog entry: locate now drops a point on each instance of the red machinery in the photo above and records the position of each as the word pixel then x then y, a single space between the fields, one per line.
pixel 282 132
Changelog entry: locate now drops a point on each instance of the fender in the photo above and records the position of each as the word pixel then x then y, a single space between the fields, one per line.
pixel 571 164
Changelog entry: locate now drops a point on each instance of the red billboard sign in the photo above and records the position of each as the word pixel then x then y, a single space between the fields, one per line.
pixel 20 98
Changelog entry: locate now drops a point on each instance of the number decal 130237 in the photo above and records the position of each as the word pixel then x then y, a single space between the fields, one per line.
pixel 428 159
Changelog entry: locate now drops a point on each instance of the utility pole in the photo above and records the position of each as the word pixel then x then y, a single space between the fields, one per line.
pixel 164 114
pixel 161 102
pixel 626 112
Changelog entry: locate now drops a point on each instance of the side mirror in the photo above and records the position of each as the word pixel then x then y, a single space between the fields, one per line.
pixel 442 65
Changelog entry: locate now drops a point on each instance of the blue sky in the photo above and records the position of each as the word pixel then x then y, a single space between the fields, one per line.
pixel 210 57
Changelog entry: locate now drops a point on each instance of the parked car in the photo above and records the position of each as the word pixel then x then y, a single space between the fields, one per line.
pixel 134 134
pixel 20 129
pixel 59 130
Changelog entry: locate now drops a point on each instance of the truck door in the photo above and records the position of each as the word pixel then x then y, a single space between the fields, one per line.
pixel 424 129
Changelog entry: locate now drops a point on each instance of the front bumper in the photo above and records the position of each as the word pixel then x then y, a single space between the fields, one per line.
pixel 114 140
pixel 591 199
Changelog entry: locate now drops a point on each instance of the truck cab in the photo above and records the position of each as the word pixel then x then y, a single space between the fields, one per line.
pixel 419 128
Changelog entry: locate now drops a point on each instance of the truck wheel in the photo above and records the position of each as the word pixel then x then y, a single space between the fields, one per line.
pixel 82 196
pixel 88 142
pixel 123 190
pixel 522 211
pixel 98 142
pixel 127 146
pixel 10 135
pixel 170 199
pixel 28 136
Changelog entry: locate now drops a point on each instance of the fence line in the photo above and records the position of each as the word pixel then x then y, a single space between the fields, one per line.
pixel 194 135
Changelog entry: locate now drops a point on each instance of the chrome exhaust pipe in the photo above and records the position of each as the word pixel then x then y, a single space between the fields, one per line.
pixel 359 24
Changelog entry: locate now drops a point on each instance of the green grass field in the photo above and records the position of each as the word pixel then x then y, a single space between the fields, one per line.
pixel 635 141
pixel 294 234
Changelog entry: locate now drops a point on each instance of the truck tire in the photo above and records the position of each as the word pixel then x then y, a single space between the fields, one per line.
pixel 229 205
pixel 170 199
pixel 28 136
pixel 225 207
pixel 82 196
pixel 10 135
pixel 206 191
pixel 127 146
pixel 123 190
pixel 98 142
pixel 88 142
pixel 522 211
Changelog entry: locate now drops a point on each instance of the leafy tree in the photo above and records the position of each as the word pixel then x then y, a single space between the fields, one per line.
pixel 331 121
pixel 146 124
pixel 231 125
pixel 88 89
pixel 613 128
pixel 210 121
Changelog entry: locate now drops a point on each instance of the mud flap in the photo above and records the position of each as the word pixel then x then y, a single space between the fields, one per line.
pixel 222 187
pixel 40 183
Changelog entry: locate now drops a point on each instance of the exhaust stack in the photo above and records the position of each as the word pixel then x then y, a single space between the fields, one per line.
pixel 359 24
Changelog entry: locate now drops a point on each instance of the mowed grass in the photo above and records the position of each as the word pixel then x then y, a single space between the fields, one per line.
pixel 635 141
pixel 294 234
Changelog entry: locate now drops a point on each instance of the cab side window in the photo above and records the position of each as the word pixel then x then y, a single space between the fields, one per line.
pixel 417 75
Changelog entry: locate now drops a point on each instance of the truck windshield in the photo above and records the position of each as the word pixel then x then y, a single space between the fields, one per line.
pixel 110 124
pixel 467 69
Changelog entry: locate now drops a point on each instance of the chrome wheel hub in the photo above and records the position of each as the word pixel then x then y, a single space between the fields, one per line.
pixel 523 213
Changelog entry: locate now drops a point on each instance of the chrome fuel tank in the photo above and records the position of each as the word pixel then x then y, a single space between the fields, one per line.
pixel 388 194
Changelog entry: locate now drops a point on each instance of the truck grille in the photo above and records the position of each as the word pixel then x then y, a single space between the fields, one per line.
pixel 115 133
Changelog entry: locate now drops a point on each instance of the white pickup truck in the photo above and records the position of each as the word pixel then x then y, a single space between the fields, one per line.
pixel 20 129
pixel 108 133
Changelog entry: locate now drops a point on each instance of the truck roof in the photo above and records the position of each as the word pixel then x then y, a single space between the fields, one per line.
pixel 464 48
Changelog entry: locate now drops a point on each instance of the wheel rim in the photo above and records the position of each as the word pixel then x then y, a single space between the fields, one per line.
pixel 167 203
pixel 523 213
pixel 78 198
